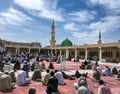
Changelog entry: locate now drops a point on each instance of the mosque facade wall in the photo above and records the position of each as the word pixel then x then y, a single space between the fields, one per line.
pixel 109 52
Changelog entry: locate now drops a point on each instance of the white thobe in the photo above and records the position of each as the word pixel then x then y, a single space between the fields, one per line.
pixel 21 78
pixel 60 78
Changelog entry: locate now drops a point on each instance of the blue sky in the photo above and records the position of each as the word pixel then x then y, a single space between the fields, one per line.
pixel 77 20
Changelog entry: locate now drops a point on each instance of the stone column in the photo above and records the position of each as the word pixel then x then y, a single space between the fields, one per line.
pixel 29 50
pixel 86 53
pixel 52 52
pixel 55 52
pixel 16 50
pixel 113 53
pixel 100 54
pixel 67 53
pixel 60 52
pixel 75 54
pixel 48 51
pixel 39 50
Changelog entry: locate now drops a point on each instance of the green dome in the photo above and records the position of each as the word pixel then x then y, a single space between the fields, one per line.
pixel 66 42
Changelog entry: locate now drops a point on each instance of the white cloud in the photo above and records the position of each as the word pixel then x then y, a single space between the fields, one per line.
pixel 70 26
pixel 82 16
pixel 109 23
pixel 13 17
pixel 42 8
pixel 106 25
pixel 7 35
pixel 112 4
pixel 86 37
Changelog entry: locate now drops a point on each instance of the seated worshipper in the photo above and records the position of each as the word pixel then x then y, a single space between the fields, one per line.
pixel 36 62
pixel 89 66
pixel 50 66
pixel 77 74
pixel 96 62
pixel 96 75
pixel 70 77
pixel 82 77
pixel 16 65
pixel 36 75
pixel 5 83
pixel 118 75
pixel 52 85
pixel 1 73
pixel 12 75
pixel 1 66
pixel 21 78
pixel 83 89
pixel 99 69
pixel 82 66
pixel 32 90
pixel 114 70
pixel 46 78
pixel 42 64
pixel 85 62
pixel 38 66
pixel 85 65
pixel 32 66
pixel 107 71
pixel 58 60
pixel 93 68
pixel 103 88
pixel 26 68
pixel 59 76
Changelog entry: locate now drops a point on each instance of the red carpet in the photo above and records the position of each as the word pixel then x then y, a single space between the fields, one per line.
pixel 69 88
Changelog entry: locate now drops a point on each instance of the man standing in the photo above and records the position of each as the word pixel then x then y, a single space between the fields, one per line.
pixel 62 62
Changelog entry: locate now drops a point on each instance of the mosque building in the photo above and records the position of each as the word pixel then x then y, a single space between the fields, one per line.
pixel 109 52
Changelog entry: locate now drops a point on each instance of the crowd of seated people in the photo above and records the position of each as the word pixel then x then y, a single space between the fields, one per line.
pixel 87 65
pixel 24 63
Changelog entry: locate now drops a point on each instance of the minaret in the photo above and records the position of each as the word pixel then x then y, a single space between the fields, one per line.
pixel 52 41
pixel 99 41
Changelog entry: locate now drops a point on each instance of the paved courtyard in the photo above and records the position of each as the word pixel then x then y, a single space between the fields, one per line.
pixel 70 68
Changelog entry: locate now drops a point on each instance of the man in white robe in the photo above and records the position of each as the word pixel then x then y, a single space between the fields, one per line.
pixel 59 76
pixel 21 78
pixel 63 63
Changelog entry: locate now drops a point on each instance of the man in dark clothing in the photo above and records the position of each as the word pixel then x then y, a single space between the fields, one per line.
pixel 1 66
pixel 52 85
pixel 16 65
pixel 51 66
